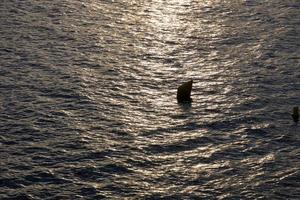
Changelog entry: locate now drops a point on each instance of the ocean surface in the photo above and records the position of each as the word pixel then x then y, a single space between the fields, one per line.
pixel 88 104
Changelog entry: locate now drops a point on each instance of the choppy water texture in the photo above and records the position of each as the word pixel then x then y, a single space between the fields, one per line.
pixel 88 99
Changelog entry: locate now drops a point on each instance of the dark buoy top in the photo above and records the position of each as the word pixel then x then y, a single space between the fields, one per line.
pixel 184 92
pixel 295 114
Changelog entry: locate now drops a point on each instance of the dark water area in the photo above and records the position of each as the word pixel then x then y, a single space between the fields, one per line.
pixel 88 104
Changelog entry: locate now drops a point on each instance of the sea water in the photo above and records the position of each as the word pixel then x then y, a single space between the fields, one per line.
pixel 88 104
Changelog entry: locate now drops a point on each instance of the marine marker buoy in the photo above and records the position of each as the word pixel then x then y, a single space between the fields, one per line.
pixel 184 92
pixel 295 114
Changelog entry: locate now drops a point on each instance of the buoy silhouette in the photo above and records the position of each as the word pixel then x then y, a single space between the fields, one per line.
pixel 295 114
pixel 184 92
